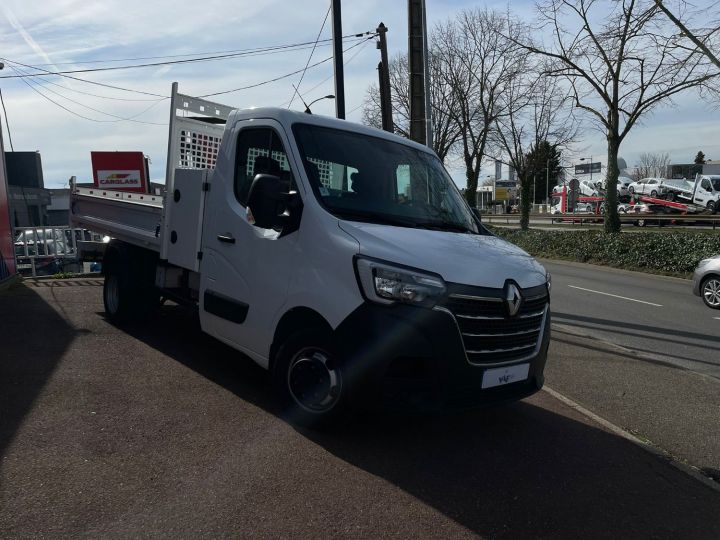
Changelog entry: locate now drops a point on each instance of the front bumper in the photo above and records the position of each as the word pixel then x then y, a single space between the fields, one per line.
pixel 696 280
pixel 406 357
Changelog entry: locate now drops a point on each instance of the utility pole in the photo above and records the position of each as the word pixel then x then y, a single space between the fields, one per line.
pixel 338 60
pixel 384 79
pixel 416 67
pixel 426 67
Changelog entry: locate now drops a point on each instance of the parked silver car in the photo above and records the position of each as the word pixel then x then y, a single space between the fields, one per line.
pixel 706 281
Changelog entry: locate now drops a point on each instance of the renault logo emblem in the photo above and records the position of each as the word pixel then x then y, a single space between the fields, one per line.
pixel 513 299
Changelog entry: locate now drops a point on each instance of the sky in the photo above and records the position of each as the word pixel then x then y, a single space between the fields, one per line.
pixel 68 34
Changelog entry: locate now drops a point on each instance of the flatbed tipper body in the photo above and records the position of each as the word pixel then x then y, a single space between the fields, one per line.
pixel 134 218
pixel 340 257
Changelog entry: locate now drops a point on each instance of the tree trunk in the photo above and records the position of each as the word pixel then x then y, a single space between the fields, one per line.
pixel 525 200
pixel 471 176
pixel 612 219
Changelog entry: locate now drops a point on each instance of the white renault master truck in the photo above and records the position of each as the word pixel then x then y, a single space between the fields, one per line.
pixel 341 258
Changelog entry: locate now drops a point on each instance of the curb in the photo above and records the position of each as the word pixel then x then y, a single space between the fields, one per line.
pixel 689 470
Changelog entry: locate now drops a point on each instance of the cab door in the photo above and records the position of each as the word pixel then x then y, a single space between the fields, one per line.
pixel 246 270
pixel 703 193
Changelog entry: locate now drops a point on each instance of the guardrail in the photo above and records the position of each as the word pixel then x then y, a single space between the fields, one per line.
pixel 640 219
pixel 49 250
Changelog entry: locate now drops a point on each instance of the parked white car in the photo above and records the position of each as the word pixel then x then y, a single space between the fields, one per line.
pixel 623 186
pixel 648 186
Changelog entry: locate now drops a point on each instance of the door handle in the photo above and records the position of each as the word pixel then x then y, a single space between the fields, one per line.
pixel 227 238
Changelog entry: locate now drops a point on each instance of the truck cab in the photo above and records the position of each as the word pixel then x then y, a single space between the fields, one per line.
pixel 338 255
pixel 707 192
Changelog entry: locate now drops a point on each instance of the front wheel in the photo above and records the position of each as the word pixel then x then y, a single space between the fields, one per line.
pixel 653 193
pixel 710 292
pixel 309 380
pixel 711 207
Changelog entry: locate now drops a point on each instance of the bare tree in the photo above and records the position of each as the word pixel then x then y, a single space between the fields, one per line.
pixel 539 114
pixel 621 59
pixel 480 64
pixel 442 100
pixel 653 165
pixel 699 38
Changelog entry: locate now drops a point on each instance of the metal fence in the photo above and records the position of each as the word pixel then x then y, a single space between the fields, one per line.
pixel 640 218
pixel 49 250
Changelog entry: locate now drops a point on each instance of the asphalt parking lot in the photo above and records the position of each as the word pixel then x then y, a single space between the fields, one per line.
pixel 160 431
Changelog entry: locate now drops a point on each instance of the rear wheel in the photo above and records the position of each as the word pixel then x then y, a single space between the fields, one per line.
pixel 117 296
pixel 710 292
pixel 129 293
pixel 309 380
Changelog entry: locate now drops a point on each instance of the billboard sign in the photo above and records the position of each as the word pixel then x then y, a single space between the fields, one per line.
pixel 587 168
pixel 120 171
pixel 7 246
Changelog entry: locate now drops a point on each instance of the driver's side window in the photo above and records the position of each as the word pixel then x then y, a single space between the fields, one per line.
pixel 259 151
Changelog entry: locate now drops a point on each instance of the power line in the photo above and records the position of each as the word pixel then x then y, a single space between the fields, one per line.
pixel 297 88
pixel 6 121
pixel 82 80
pixel 117 118
pixel 110 60
pixel 102 97
pixel 255 85
pixel 266 50
pixel 326 79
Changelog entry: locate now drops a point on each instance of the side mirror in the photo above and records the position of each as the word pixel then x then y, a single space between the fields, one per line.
pixel 267 201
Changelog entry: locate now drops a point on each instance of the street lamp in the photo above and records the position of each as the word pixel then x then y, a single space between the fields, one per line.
pixel 494 198
pixel 307 107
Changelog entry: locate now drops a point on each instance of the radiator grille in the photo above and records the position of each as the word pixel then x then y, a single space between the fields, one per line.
pixel 489 334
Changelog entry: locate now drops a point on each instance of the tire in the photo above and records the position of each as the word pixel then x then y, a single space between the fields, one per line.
pixel 671 197
pixel 309 381
pixel 631 190
pixel 640 223
pixel 129 293
pixel 711 207
pixel 710 292
pixel 117 297
pixel 653 193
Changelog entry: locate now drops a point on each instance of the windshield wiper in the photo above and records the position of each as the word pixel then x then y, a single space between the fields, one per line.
pixel 358 215
pixel 445 226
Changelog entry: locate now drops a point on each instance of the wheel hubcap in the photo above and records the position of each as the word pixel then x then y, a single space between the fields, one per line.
pixel 314 381
pixel 711 293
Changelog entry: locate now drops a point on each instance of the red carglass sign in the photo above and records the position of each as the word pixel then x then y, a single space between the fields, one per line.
pixel 120 171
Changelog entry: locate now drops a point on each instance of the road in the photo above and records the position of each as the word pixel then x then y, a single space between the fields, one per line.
pixel 160 431
pixel 646 313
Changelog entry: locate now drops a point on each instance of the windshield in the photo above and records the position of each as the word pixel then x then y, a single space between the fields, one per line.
pixel 370 179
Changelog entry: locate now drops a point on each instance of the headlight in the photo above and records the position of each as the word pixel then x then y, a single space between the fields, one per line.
pixel 385 283
pixel 548 280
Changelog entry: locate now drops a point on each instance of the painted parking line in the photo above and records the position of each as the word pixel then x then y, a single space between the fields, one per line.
pixel 615 296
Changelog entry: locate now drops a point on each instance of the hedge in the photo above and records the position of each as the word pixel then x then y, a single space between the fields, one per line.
pixel 673 253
